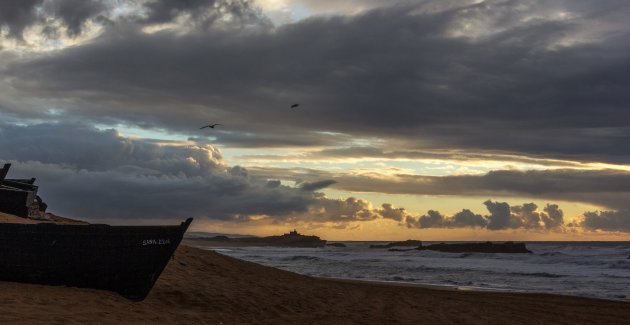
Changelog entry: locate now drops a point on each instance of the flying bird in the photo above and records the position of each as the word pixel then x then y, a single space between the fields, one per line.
pixel 295 105
pixel 209 126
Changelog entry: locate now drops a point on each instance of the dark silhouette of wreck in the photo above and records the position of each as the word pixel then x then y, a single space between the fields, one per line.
pixel 124 259
pixel 19 196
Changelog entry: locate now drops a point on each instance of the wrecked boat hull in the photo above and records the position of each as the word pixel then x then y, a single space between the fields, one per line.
pixel 124 259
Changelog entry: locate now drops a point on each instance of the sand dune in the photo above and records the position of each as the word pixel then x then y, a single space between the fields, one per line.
pixel 202 287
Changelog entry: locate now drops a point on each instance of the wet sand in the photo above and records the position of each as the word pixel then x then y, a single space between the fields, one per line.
pixel 204 287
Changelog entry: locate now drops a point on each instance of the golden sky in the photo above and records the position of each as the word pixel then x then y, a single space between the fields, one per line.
pixel 434 120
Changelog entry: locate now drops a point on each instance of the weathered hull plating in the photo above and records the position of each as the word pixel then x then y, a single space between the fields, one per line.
pixel 124 259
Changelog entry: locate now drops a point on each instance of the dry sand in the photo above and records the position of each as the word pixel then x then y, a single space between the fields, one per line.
pixel 203 287
pixel 50 218
pixel 9 218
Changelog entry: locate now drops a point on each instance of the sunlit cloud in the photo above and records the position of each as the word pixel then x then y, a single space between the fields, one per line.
pixel 405 107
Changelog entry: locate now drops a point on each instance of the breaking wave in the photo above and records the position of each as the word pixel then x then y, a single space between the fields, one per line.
pixel 582 269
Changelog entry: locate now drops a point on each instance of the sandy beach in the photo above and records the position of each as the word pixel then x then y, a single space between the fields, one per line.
pixel 204 287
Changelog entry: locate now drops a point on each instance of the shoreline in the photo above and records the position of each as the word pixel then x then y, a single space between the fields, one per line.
pixel 202 286
pixel 437 286
pixel 455 288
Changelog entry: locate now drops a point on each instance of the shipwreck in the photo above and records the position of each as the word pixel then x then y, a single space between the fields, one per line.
pixel 40 249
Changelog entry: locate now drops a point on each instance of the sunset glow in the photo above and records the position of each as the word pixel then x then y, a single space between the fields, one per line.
pixel 432 120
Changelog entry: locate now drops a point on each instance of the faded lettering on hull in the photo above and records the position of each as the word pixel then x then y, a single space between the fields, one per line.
pixel 147 242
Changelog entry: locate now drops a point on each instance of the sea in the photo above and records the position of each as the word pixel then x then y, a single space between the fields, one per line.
pixel 589 269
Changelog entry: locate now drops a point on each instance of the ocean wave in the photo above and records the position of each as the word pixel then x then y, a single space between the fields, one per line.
pixel 598 271
pixel 573 262
pixel 553 254
pixel 221 250
pixel 539 274
pixel 428 269
pixel 253 256
pixel 367 260
pixel 401 278
pixel 301 258
pixel 624 264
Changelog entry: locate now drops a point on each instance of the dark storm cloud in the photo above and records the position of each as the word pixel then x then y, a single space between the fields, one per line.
pixel 389 212
pixel 534 86
pixel 74 13
pixel 609 188
pixel 99 174
pixel 85 148
pixel 431 219
pixel 132 194
pixel 606 188
pixel 502 216
pixel 539 79
pixel 203 12
pixel 341 211
pixel 467 218
pixel 316 186
pixel 16 15
pixel 606 220
pixel 163 11
pixel 553 216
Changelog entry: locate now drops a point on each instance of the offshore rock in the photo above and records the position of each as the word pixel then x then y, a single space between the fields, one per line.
pixel 406 243
pixel 487 247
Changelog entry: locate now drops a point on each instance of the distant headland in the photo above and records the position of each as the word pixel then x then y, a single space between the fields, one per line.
pixel 291 239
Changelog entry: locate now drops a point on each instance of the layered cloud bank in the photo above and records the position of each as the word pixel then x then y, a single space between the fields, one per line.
pixel 502 216
pixel 101 174
pixel 530 77
pixel 528 97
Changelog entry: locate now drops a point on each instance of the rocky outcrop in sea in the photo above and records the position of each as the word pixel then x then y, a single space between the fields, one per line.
pixel 405 243
pixel 487 247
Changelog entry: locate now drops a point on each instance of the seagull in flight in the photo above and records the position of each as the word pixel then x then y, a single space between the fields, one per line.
pixel 209 126
pixel 295 105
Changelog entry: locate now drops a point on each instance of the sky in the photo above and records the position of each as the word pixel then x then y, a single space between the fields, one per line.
pixel 432 120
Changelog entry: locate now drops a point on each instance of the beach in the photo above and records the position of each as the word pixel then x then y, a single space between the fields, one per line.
pixel 204 287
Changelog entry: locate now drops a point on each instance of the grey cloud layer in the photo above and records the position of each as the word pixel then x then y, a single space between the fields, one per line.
pixel 379 153
pixel 606 220
pixel 17 15
pixel 395 73
pixel 502 216
pixel 99 174
pixel 609 188
pixel 92 174
pixel 544 79
pixel 606 188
